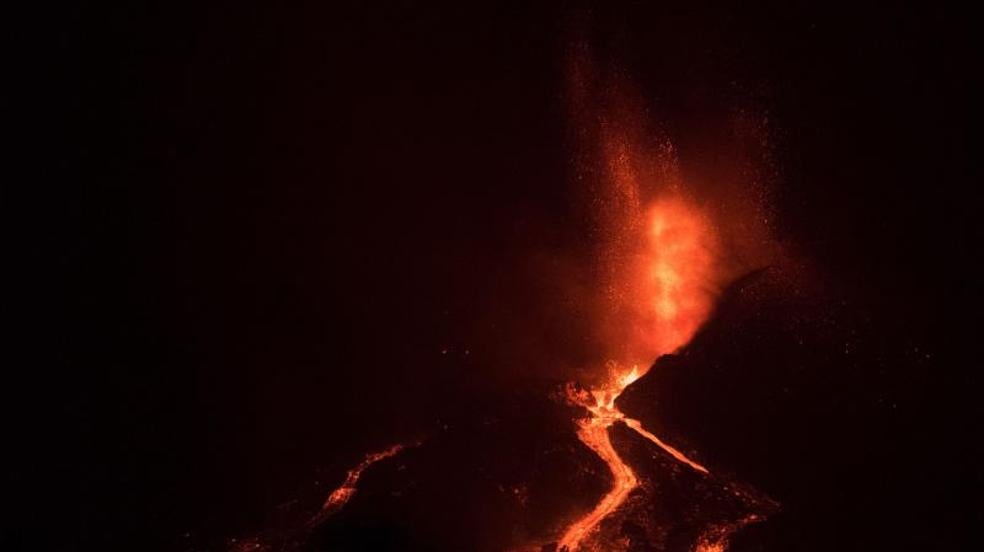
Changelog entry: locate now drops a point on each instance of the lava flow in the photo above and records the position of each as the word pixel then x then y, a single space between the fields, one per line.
pixel 716 538
pixel 593 432
pixel 340 496
pixel 664 295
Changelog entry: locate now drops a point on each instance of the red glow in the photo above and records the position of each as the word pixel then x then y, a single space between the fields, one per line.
pixel 593 432
pixel 715 539
pixel 659 263
pixel 340 496
pixel 677 268
pixel 660 269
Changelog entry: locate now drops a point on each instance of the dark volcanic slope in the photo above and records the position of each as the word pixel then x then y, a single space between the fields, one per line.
pixel 674 505
pixel 501 473
pixel 819 404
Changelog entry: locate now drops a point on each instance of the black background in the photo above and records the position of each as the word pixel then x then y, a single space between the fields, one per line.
pixel 294 221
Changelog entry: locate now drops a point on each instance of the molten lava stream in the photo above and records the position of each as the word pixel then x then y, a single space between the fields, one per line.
pixel 340 496
pixel 661 260
pixel 636 425
pixel 593 432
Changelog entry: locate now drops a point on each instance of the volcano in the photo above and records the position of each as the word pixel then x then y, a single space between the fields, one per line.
pixel 507 471
pixel 562 466
pixel 602 276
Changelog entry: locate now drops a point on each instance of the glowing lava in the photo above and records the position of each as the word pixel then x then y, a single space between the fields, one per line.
pixel 340 496
pixel 664 295
pixel 716 538
pixel 593 432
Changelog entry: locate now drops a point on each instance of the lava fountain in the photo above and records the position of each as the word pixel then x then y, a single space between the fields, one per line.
pixel 666 287
pixel 666 243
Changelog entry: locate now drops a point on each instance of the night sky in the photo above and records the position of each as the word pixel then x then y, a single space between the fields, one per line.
pixel 281 236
